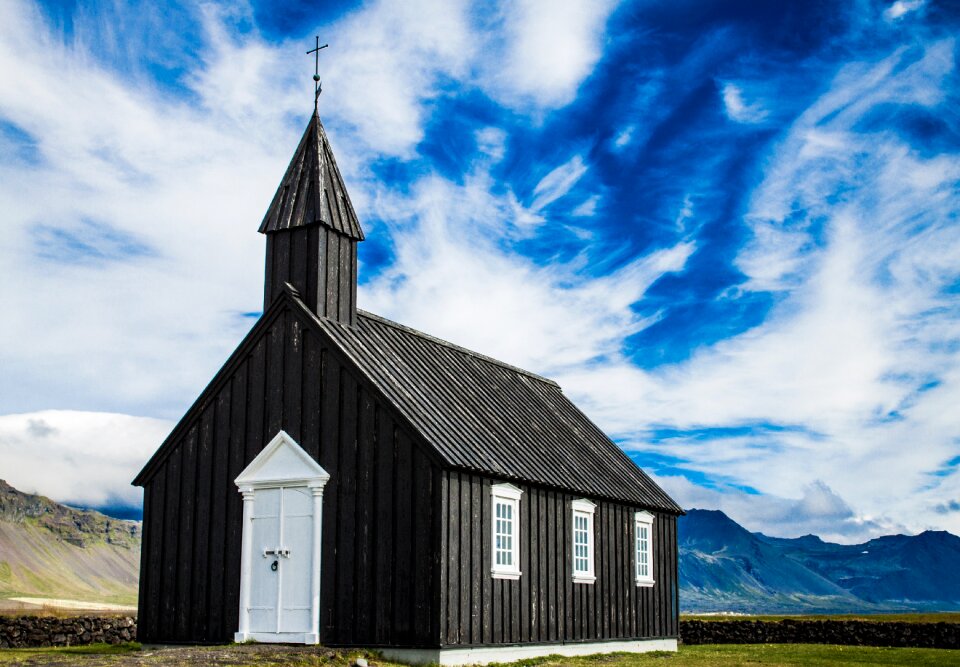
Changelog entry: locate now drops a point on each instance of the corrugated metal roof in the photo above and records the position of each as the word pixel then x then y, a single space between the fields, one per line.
pixel 487 416
pixel 312 190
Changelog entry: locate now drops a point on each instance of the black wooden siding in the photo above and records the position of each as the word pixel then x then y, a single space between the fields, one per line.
pixel 380 529
pixel 544 605
pixel 320 263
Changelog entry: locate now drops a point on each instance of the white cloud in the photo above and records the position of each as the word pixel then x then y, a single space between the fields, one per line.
pixel 452 279
pixel 84 458
pixel 624 137
pixel 737 108
pixel 817 511
pixel 492 142
pixel 901 8
pixel 548 48
pixel 558 183
pixel 587 208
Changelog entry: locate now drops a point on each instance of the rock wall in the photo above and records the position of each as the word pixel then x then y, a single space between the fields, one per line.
pixel 26 631
pixel 850 633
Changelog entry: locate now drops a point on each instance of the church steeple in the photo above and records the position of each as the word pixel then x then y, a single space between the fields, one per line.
pixel 312 232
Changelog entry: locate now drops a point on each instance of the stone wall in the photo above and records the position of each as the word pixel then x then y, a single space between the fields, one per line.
pixel 851 633
pixel 26 631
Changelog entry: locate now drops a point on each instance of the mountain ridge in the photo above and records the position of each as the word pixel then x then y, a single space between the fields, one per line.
pixel 724 567
pixel 51 550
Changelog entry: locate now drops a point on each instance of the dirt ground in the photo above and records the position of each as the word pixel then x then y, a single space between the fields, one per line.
pixel 235 655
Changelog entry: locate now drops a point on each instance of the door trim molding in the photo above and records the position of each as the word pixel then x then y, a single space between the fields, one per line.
pixel 282 463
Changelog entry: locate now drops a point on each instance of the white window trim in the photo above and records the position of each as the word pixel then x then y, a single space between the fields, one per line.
pixel 508 494
pixel 587 508
pixel 643 519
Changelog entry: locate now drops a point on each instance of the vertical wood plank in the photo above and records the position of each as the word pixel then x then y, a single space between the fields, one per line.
pixel 403 493
pixel 293 378
pixel 345 289
pixel 298 261
pixel 268 281
pixel 234 518
pixel 218 508
pixel 199 619
pixel 367 490
pixel 385 538
pixel 143 585
pixel 329 460
pixel 347 523
pixel 423 524
pixel 564 525
pixel 497 610
pixel 171 535
pixel 311 295
pixel 530 562
pixel 311 399
pixel 188 449
pixel 440 526
pixel 281 261
pixel 437 539
pixel 323 272
pixel 256 393
pixel 536 562
pixel 333 274
pixel 553 567
pixel 353 283
pixel 477 546
pixel 453 558
pixel 155 524
pixel 486 587
pixel 274 383
pixel 466 552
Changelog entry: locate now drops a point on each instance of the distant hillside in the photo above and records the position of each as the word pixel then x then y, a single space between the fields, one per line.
pixel 724 567
pixel 50 550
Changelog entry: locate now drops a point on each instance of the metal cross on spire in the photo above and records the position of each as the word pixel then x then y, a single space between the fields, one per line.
pixel 317 86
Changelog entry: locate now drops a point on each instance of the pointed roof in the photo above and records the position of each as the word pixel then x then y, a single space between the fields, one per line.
pixel 312 190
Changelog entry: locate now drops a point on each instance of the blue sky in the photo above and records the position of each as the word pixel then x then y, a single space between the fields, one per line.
pixel 728 229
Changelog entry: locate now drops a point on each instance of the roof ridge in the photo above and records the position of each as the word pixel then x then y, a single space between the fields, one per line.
pixel 454 346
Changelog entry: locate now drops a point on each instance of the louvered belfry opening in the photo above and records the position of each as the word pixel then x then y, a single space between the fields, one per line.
pixel 312 232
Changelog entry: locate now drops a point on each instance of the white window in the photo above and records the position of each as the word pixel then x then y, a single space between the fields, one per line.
pixel 505 513
pixel 583 572
pixel 643 529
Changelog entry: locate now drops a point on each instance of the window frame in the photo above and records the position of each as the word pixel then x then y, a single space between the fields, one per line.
pixel 508 495
pixel 643 519
pixel 586 509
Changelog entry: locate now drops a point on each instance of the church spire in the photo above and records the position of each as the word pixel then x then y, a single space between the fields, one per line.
pixel 312 191
pixel 312 232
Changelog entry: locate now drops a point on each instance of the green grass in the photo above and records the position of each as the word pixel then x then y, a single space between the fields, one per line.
pixel 918 617
pixel 780 655
pixel 769 654
pixel 34 656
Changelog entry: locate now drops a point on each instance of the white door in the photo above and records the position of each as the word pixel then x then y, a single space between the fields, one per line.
pixel 280 582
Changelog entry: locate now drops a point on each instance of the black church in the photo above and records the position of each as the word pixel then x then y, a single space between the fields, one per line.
pixel 347 480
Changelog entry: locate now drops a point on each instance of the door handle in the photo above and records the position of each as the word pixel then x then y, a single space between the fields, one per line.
pixel 280 552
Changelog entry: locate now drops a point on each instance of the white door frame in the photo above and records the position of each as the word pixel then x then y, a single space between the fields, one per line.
pixel 282 463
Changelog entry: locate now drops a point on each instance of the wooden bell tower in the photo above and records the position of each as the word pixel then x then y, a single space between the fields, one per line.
pixel 312 232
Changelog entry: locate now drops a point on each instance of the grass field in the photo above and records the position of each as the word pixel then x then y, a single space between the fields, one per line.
pixel 689 656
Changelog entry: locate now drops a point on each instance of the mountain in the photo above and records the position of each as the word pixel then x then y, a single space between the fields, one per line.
pixel 53 551
pixel 724 567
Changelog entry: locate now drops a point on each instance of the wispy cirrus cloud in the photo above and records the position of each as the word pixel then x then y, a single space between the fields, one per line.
pixel 737 108
pixel 735 247
pixel 856 229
